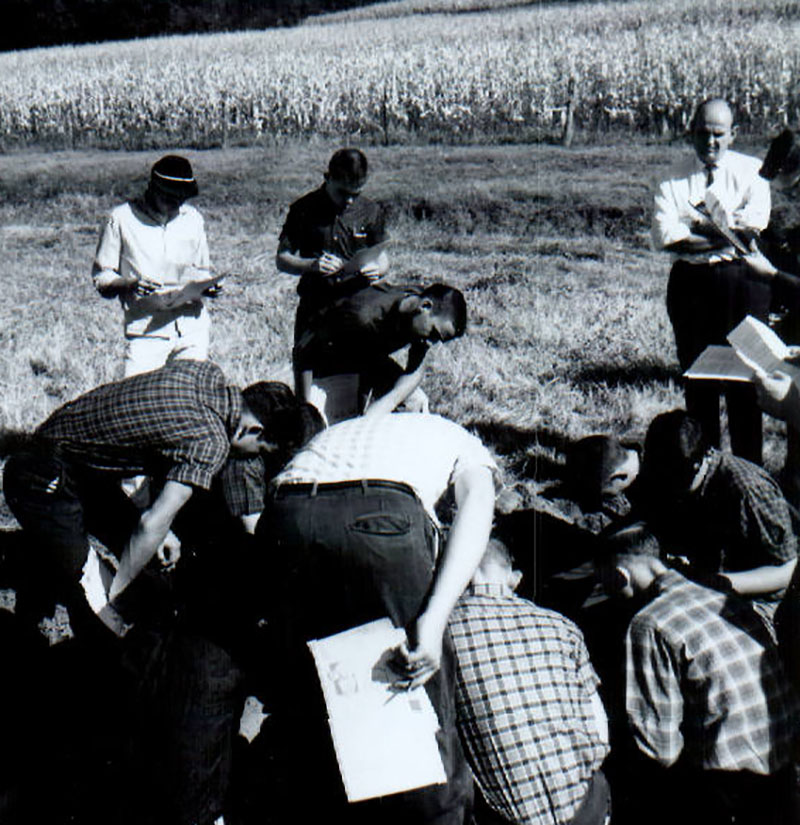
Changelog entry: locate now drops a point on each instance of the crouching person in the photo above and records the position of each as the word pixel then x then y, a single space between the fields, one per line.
pixel 528 711
pixel 178 426
pixel 710 709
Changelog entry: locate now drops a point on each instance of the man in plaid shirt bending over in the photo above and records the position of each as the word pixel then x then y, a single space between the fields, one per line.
pixel 177 424
pixel 711 711
pixel 528 711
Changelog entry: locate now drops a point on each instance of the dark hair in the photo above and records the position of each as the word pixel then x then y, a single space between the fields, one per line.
pixel 448 299
pixel 783 156
pixel 619 545
pixel 286 421
pixel 348 166
pixel 673 447
pixel 590 462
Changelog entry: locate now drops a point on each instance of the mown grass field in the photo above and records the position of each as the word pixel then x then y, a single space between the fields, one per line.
pixel 416 71
pixel 568 333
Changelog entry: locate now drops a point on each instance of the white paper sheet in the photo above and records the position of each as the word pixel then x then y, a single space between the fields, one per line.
pixel 385 740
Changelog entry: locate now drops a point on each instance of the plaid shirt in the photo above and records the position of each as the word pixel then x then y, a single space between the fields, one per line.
pixel 174 423
pixel 705 681
pixel 736 519
pixel 243 482
pixel 523 705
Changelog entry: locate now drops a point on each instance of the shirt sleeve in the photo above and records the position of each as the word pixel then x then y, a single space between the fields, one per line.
pixel 244 485
pixel 106 259
pixel 668 225
pixel 756 205
pixel 767 523
pixel 653 697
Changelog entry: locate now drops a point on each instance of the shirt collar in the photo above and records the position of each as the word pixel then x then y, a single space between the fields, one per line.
pixel 497 591
pixel 707 468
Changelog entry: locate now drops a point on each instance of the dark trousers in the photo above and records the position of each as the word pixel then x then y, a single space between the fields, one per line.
pixel 58 505
pixel 343 556
pixel 705 302
pixel 134 730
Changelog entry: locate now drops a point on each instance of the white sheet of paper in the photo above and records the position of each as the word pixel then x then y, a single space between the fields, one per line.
pixel 385 741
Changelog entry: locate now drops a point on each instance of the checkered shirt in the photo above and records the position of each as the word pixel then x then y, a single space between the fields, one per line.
pixel 742 514
pixel 174 423
pixel 705 682
pixel 426 452
pixel 244 485
pixel 523 704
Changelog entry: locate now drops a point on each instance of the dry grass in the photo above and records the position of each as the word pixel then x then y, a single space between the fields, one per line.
pixel 568 331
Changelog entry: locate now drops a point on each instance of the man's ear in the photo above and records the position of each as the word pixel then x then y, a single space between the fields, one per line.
pixel 426 304
pixel 734 131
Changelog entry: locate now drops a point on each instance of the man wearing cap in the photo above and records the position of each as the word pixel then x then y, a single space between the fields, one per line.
pixel 149 249
pixel 351 533
pixel 711 289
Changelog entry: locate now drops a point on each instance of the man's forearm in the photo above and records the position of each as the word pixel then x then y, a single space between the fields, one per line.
pixel 762 580
pixel 153 527
pixel 465 546
pixel 404 386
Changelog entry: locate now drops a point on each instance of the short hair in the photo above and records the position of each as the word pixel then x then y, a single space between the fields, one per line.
pixel 286 421
pixel 348 166
pixel 590 463
pixel 704 104
pixel 496 551
pixel 448 300
pixel 674 444
pixel 634 540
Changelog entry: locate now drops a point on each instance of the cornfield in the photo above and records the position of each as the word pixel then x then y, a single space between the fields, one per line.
pixel 502 74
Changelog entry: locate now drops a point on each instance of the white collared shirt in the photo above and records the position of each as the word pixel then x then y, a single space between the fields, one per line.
pixel 737 185
pixel 134 243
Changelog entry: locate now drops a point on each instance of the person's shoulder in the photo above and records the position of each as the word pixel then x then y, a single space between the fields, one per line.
pixel 743 161
pixel 190 214
pixel 309 200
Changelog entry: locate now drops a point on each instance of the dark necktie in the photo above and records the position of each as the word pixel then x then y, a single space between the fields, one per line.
pixel 710 169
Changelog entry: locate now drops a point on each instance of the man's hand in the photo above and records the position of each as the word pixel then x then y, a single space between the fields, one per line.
pixel 771 391
pixel 372 271
pixel 144 286
pixel 329 264
pixel 169 551
pixel 758 262
pixel 418 660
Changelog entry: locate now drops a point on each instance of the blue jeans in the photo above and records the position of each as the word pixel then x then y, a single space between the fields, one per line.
pixel 341 556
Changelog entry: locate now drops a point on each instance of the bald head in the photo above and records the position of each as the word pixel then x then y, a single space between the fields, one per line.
pixel 712 130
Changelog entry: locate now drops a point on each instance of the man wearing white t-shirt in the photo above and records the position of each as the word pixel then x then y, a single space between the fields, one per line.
pixel 353 537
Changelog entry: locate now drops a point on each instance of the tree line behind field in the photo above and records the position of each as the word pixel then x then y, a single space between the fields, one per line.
pixel 59 22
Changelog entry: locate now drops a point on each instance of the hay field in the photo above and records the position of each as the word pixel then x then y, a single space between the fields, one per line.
pixel 568 333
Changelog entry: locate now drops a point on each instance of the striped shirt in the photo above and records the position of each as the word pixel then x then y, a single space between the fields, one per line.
pixel 705 682
pixel 173 423
pixel 523 706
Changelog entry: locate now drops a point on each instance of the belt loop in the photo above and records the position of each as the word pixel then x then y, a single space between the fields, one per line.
pixel 364 486
pixel 314 489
